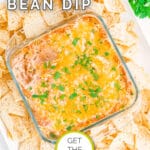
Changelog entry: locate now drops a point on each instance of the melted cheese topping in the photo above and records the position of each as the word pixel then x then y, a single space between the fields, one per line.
pixel 72 77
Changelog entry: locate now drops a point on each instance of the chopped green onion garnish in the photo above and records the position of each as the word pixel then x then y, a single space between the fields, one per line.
pixel 68 34
pixel 53 67
pixel 83 98
pixel 89 42
pixel 45 95
pixel 57 75
pixel 75 41
pixel 66 70
pixel 30 88
pixel 94 92
pixel 93 30
pixel 78 112
pixel 61 88
pixel 95 51
pixel 106 53
pixel 97 116
pixel 52 135
pixel 69 128
pixel 73 95
pixel 46 64
pixel 41 97
pixel 85 107
pixel 62 96
pixel 97 103
pixel 53 86
pixel 43 84
pixel 113 68
pixel 117 86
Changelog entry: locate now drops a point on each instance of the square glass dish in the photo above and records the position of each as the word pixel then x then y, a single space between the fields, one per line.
pixel 72 77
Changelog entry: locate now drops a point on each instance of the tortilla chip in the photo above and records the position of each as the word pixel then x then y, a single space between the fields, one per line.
pixel 15 126
pixel 14 21
pixel 18 109
pixel 143 139
pixel 3 45
pixel 118 142
pixel 103 135
pixel 19 37
pixel 110 18
pixel 121 35
pixel 114 6
pixel 52 17
pixel 143 116
pixel 6 102
pixel 146 100
pixel 3 88
pixel 46 146
pixel 32 143
pixel 55 16
pixel 36 26
pixel 97 7
pixel 142 79
pixel 4 36
pixel 142 119
pixel 3 17
pixel 14 90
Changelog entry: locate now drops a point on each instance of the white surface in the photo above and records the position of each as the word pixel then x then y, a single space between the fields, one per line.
pixel 145 27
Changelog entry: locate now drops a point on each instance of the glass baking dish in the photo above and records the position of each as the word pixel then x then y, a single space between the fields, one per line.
pixel 96 93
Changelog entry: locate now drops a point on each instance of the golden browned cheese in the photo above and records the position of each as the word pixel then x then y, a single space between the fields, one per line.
pixel 72 77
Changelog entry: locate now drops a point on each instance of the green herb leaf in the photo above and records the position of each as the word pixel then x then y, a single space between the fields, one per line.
pixel 100 41
pixel 97 116
pixel 52 135
pixel 106 53
pixel 57 75
pixel 30 88
pixel 69 128
pixel 75 41
pixel 53 86
pixel 62 96
pixel 68 34
pixel 93 31
pixel 66 70
pixel 85 107
pixel 83 60
pixel 55 107
pixel 113 68
pixel 117 86
pixel 53 67
pixel 43 84
pixel 41 97
pixel 46 64
pixel 95 51
pixel 94 74
pixel 83 98
pixel 73 95
pixel 78 112
pixel 61 88
pixel 89 42
pixel 97 103
pixel 141 8
pixel 94 92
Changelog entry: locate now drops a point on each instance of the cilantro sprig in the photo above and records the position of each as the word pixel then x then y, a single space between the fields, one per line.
pixel 42 97
pixel 141 8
